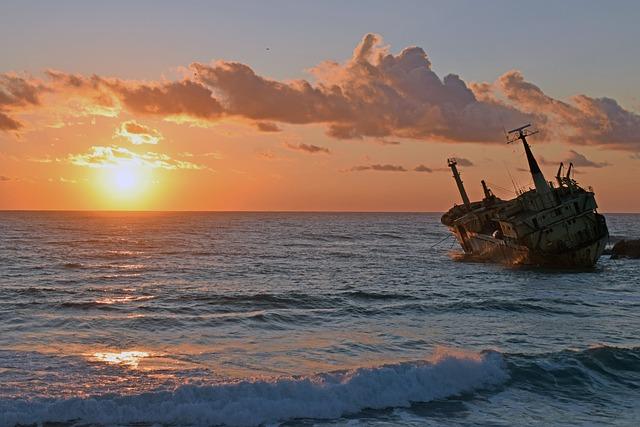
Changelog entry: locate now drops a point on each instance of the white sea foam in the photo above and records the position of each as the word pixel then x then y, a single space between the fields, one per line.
pixel 328 395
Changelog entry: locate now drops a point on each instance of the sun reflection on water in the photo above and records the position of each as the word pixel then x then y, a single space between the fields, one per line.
pixel 122 300
pixel 127 358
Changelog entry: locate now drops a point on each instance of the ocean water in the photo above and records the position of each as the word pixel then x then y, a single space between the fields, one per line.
pixel 303 319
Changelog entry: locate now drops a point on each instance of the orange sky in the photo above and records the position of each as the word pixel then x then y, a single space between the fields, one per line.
pixel 219 136
pixel 241 169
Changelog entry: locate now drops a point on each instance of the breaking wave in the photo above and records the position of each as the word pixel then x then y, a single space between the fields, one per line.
pixel 322 396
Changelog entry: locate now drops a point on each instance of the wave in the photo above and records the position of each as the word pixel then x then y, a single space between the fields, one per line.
pixel 502 305
pixel 400 304
pixel 389 236
pixel 105 303
pixel 85 305
pixel 36 291
pixel 327 237
pixel 110 266
pixel 263 300
pixel 370 295
pixel 577 374
pixel 116 254
pixel 243 403
pixel 72 265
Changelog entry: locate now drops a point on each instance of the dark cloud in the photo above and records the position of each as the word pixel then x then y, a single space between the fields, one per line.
pixel 7 123
pixel 579 160
pixel 169 99
pixel 4 178
pixel 16 93
pixel 185 98
pixel 584 120
pixel 246 94
pixel 267 127
pixel 308 148
pixel 422 168
pixel 464 162
pixel 387 141
pixel 380 168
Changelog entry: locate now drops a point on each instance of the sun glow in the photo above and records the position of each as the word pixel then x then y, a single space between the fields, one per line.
pixel 126 183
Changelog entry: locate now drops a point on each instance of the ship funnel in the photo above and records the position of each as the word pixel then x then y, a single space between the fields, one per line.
pixel 456 175
pixel 488 194
pixel 541 184
pixel 569 170
pixel 559 173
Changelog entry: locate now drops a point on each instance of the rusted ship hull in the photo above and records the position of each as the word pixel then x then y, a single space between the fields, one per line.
pixel 482 247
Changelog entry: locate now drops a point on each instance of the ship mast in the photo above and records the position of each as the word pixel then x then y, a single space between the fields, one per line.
pixel 456 175
pixel 541 184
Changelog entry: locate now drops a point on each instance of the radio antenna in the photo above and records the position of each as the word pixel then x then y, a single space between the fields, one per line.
pixel 520 134
pixel 515 188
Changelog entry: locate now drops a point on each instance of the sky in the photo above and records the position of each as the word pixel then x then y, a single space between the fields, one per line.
pixel 311 106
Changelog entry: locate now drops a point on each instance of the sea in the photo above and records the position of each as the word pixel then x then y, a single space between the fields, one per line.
pixel 304 319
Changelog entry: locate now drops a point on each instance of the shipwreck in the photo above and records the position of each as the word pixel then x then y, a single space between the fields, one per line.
pixel 554 224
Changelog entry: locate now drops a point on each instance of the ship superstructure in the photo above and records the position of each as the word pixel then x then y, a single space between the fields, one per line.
pixel 552 224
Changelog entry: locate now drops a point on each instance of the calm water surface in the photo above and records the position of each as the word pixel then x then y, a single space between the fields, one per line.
pixel 303 319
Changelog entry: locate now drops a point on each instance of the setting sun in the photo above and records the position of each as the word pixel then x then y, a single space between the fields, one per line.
pixel 126 180
pixel 125 184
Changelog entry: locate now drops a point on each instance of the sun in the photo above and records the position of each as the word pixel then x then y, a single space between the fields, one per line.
pixel 125 184
pixel 125 179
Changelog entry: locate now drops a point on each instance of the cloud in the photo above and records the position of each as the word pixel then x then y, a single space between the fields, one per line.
pixel 213 154
pixel 4 178
pixel 579 160
pixel 267 127
pixel 387 141
pixel 16 94
pixel 377 167
pixel 18 91
pixel 373 94
pixel 114 157
pixel 168 99
pixel 137 133
pixel 248 95
pixel 268 155
pixel 422 168
pixel 308 148
pixel 464 162
pixel 7 123
pixel 583 120
pixel 182 99
pixel 46 159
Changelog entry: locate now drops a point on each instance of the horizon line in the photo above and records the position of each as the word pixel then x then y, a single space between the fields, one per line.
pixel 248 211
